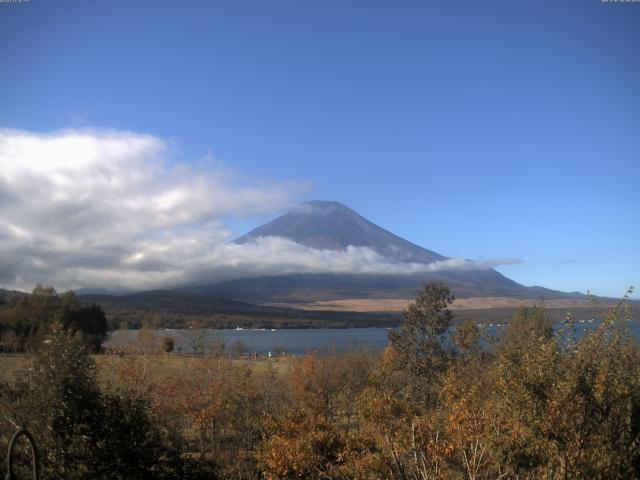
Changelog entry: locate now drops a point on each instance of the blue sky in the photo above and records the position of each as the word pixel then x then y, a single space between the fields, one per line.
pixel 476 129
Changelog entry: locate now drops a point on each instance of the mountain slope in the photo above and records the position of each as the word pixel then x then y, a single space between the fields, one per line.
pixel 304 288
pixel 6 295
pixel 224 313
pixel 333 226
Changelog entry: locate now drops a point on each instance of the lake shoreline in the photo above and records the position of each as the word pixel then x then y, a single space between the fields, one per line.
pixel 294 341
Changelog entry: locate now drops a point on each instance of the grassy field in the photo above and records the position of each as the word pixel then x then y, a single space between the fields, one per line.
pixel 13 365
pixel 471 303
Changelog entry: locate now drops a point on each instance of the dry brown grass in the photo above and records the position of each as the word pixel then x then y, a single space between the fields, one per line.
pixel 397 305
pixel 13 365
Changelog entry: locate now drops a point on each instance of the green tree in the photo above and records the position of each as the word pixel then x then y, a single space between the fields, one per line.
pixel 419 341
pixel 62 406
pixel 82 431
pixel 26 320
pixel 90 321
pixel 528 324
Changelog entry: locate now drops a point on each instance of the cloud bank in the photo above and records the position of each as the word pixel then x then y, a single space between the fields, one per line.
pixel 116 209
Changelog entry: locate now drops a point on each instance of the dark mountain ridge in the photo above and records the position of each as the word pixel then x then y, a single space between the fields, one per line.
pixel 6 295
pixel 217 312
pixel 311 287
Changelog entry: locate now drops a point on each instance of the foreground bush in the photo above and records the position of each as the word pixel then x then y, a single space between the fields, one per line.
pixel 81 431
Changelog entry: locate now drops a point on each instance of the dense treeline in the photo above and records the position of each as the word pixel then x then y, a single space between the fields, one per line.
pixel 216 312
pixel 125 318
pixel 120 317
pixel 25 320
pixel 534 403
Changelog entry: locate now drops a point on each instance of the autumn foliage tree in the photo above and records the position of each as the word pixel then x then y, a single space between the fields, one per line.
pixel 572 405
pixel 302 442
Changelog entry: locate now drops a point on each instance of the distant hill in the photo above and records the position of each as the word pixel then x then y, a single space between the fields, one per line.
pixel 7 294
pixel 301 288
pixel 175 309
pixel 334 226
pixel 178 308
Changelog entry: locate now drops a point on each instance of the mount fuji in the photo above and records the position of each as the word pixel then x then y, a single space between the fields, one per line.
pixel 330 225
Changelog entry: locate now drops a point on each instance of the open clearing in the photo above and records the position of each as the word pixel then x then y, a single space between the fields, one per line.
pixel 13 365
pixel 399 304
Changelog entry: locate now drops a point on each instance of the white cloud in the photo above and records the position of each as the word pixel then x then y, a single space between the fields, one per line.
pixel 77 203
pixel 115 209
pixel 466 264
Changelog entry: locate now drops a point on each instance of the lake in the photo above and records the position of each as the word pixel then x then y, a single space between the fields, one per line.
pixel 298 341
pixel 291 341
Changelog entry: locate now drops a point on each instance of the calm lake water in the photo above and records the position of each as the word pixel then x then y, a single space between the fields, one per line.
pixel 299 341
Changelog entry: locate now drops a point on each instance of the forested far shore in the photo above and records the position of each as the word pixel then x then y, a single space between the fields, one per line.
pixel 25 320
pixel 120 318
pixel 22 316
